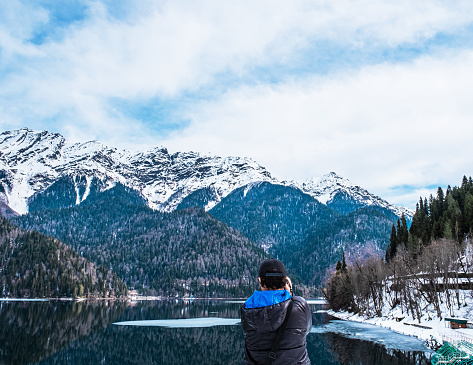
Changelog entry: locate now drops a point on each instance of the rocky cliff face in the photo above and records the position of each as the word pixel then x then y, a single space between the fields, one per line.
pixel 32 161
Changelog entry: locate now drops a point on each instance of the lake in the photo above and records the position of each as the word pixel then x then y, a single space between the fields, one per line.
pixel 176 332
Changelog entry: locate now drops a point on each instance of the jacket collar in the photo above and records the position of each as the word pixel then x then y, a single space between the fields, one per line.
pixel 265 298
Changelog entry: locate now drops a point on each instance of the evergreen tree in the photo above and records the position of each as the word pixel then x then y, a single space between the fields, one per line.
pixel 344 263
pixel 392 247
pixel 464 184
pixel 404 234
pixel 339 266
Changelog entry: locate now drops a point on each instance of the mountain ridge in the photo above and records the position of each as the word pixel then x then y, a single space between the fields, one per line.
pixel 31 161
pixel 328 188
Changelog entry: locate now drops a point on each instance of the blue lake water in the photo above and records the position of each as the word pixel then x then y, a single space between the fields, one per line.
pixel 176 332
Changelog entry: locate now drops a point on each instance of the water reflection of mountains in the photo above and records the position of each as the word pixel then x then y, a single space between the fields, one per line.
pixel 82 333
pixel 34 332
pixel 156 345
pixel 216 345
pixel 31 331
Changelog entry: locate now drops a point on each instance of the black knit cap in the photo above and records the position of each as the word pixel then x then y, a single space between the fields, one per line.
pixel 273 267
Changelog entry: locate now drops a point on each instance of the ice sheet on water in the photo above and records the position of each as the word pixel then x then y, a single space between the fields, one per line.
pixel 183 323
pixel 369 332
pixel 22 300
pixel 316 301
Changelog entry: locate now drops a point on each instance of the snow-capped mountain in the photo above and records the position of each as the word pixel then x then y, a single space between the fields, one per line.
pixel 31 161
pixel 328 188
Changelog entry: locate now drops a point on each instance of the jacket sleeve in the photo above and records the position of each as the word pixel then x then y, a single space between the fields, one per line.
pixel 308 314
pixel 243 318
pixel 305 314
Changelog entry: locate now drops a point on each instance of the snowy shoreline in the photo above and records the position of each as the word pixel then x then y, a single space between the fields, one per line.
pixel 403 327
pixel 431 330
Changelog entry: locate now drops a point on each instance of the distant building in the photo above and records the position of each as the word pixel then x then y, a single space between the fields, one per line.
pixel 456 323
pixel 133 294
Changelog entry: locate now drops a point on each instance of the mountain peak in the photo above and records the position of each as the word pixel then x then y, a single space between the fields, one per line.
pixel 332 178
pixel 31 161
pixel 27 132
pixel 331 186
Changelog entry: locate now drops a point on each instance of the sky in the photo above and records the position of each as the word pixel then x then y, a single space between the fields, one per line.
pixel 376 91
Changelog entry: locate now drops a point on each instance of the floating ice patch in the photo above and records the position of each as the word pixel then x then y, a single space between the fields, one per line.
pixel 316 301
pixel 22 300
pixel 376 334
pixel 183 323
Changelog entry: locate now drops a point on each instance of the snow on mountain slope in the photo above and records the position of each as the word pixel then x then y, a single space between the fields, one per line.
pixel 325 188
pixel 31 161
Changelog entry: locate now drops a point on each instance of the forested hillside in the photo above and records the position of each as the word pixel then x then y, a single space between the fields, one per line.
pixel 67 192
pixel 187 251
pixel 35 265
pixel 272 214
pixel 360 234
pixel 307 235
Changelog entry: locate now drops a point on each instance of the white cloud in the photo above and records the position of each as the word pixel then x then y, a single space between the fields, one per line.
pixel 182 44
pixel 384 126
pixel 365 124
pixel 17 25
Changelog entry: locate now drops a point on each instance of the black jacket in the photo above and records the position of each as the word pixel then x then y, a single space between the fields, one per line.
pixel 260 326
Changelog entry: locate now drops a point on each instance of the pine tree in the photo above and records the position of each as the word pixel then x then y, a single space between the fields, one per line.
pixel 392 247
pixel 403 233
pixel 464 184
pixel 344 263
pixel 339 266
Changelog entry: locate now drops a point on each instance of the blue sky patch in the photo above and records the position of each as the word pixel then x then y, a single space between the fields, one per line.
pixel 159 114
pixel 61 15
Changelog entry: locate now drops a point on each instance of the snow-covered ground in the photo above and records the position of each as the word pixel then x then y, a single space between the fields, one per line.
pixel 431 329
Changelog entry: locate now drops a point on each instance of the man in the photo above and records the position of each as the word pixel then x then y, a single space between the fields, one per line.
pixel 264 312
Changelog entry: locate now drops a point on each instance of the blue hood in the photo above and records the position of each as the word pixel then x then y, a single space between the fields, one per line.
pixel 265 298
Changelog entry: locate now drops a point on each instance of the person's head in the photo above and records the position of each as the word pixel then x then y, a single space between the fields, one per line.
pixel 272 274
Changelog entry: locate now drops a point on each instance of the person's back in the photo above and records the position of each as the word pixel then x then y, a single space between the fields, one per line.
pixel 264 312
